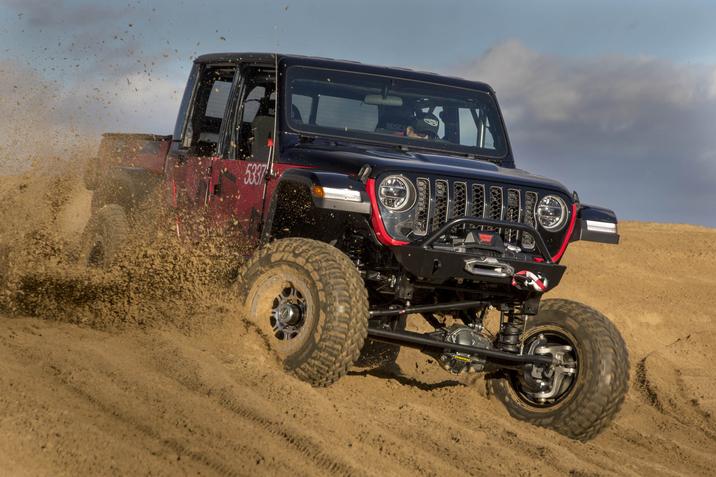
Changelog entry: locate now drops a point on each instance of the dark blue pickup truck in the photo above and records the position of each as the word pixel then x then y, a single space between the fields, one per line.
pixel 372 193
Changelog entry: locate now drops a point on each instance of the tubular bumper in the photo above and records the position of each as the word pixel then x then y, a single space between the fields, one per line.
pixel 437 265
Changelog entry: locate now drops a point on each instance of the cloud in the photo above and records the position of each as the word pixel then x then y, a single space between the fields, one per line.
pixel 631 133
pixel 41 13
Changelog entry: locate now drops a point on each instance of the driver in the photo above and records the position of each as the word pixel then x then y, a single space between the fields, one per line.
pixel 424 126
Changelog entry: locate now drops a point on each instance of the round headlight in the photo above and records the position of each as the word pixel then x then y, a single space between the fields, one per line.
pixel 396 193
pixel 552 213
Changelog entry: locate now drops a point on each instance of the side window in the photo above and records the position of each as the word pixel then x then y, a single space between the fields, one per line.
pixel 468 128
pixel 488 139
pixel 219 96
pixel 254 128
pixel 207 117
pixel 475 129
pixel 252 103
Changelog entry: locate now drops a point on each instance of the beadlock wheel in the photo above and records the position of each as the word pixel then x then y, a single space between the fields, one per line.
pixel 283 306
pixel 547 387
pixel 308 299
pixel 595 376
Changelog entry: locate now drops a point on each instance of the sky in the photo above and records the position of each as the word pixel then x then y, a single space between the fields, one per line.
pixel 615 99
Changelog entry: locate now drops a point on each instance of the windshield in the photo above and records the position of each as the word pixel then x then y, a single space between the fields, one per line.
pixel 395 110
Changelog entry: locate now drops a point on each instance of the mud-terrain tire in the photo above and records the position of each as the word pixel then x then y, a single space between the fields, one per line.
pixel 104 236
pixel 376 354
pixel 308 300
pixel 602 379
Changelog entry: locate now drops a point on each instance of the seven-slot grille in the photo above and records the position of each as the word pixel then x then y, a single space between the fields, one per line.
pixel 440 200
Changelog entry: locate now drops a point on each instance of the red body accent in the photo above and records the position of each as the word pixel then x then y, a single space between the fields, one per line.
pixel 375 219
pixel 561 250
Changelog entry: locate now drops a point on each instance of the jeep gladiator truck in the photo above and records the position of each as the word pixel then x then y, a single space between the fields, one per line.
pixel 372 193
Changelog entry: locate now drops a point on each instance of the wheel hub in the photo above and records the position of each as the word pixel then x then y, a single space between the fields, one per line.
pixel 288 313
pixel 550 383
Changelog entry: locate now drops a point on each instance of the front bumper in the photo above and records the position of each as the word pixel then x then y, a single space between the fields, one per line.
pixel 437 265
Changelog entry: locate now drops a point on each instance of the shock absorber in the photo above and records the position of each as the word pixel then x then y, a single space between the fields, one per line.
pixel 512 325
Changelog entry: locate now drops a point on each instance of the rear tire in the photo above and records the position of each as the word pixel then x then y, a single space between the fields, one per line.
pixel 308 299
pixel 104 236
pixel 592 400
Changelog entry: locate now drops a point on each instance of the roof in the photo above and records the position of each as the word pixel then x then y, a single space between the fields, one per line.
pixel 316 61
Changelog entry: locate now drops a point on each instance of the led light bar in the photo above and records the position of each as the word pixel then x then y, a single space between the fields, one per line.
pixel 603 227
pixel 341 194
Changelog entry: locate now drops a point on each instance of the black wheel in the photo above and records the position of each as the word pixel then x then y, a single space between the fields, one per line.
pixel 104 236
pixel 376 354
pixel 580 396
pixel 308 299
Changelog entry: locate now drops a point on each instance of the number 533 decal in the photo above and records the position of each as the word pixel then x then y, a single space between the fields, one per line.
pixel 255 173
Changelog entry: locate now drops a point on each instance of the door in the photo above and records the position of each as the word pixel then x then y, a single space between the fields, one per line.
pixel 191 159
pixel 238 179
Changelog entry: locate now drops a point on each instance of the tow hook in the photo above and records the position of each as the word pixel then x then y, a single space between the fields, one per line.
pixel 526 280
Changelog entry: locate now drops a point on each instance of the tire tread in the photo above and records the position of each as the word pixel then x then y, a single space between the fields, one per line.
pixel 343 299
pixel 594 408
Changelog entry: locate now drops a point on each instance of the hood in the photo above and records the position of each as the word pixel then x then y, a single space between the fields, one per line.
pixel 348 158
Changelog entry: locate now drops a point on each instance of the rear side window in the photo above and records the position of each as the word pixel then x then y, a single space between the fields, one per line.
pixel 207 115
pixel 219 96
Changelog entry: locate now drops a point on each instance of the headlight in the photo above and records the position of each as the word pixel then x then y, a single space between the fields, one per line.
pixel 552 213
pixel 396 193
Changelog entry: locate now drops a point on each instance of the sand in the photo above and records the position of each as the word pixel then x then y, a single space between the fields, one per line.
pixel 101 377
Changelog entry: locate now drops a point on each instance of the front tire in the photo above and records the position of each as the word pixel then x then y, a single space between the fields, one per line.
pixel 308 299
pixel 589 398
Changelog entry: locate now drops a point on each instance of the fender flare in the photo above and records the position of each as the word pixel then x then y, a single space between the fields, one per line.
pixel 330 190
pixel 343 193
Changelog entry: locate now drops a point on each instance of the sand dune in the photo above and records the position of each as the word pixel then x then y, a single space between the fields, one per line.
pixel 202 395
